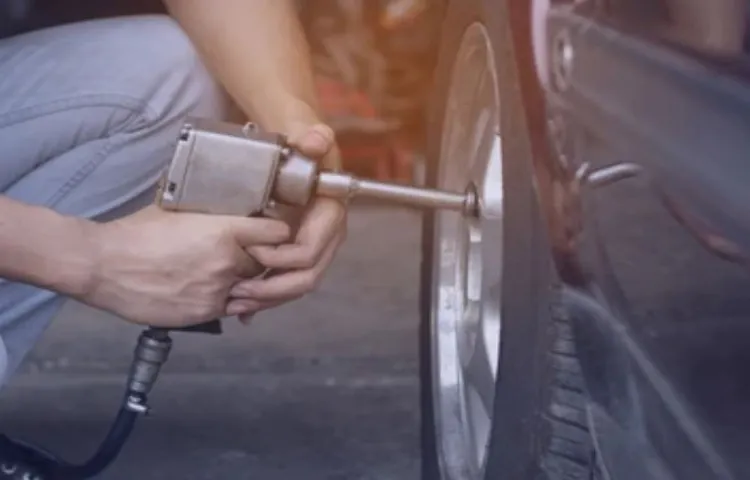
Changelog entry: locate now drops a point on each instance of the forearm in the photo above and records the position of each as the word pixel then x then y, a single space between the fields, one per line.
pixel 41 247
pixel 258 50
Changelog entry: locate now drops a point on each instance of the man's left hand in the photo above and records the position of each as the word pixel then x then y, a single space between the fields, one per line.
pixel 322 229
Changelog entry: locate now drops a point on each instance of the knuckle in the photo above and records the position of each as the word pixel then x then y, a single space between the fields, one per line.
pixel 260 255
pixel 310 282
pixel 308 257
pixel 224 233
pixel 267 258
pixel 226 264
pixel 222 267
pixel 327 131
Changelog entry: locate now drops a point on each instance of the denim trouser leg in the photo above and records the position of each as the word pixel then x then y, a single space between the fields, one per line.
pixel 89 114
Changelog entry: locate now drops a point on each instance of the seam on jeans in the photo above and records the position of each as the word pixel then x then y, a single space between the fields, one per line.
pixel 80 174
pixel 145 115
pixel 126 102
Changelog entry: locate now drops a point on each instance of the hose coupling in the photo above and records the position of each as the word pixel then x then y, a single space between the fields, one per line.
pixel 150 354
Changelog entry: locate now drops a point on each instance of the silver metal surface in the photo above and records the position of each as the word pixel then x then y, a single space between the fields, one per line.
pixel 336 185
pixel 150 354
pixel 295 180
pixel 136 405
pixel 611 174
pixel 221 168
pixel 345 186
pixel 563 56
pixel 226 169
pixel 467 264
pixel 539 9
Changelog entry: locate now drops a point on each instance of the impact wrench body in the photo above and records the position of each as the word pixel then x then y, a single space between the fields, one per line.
pixel 228 169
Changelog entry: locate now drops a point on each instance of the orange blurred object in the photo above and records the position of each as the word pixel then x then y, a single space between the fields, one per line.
pixel 398 13
pixel 369 145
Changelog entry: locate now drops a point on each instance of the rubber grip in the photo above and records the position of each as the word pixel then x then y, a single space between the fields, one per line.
pixel 213 328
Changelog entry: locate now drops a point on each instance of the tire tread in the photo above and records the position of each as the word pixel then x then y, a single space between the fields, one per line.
pixel 569 454
pixel 556 417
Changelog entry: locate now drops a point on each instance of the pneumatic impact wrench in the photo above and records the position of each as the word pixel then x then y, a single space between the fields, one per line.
pixel 228 169
pixel 223 169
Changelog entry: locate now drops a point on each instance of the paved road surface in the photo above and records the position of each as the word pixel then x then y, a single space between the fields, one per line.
pixel 324 388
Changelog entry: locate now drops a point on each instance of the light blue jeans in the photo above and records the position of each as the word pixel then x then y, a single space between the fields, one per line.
pixel 89 115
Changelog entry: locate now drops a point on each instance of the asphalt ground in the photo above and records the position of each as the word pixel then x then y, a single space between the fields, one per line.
pixel 322 388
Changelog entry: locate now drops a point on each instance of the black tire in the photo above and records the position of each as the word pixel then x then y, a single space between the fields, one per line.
pixel 539 428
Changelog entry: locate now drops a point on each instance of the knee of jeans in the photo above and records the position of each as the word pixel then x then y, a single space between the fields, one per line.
pixel 181 83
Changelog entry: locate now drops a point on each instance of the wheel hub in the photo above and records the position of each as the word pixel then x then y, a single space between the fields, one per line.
pixel 468 263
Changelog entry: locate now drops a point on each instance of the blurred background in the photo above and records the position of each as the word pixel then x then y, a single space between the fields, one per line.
pixel 373 60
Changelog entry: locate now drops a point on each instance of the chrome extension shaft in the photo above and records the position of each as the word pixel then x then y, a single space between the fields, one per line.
pixel 346 186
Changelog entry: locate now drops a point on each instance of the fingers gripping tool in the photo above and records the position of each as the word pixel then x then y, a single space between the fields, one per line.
pixel 228 169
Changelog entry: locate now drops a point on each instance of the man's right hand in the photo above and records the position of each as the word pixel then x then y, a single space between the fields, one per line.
pixel 175 269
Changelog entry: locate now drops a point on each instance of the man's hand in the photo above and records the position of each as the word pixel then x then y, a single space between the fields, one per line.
pixel 271 80
pixel 175 269
pixel 322 229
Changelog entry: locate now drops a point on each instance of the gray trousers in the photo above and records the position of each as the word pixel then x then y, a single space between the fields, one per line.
pixel 89 115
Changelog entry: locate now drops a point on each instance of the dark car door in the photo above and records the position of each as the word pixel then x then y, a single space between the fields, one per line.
pixel 649 87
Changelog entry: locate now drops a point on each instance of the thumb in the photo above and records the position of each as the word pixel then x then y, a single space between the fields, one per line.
pixel 312 140
pixel 255 231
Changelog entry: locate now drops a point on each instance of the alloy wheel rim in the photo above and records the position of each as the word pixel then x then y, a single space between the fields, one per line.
pixel 467 263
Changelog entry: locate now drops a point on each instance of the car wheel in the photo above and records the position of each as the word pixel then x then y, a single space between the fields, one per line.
pixel 501 393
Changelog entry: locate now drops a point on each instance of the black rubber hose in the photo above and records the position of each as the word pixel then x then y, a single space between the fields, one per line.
pixel 38 463
pixel 108 450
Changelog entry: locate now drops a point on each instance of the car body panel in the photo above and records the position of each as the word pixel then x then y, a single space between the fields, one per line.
pixel 663 320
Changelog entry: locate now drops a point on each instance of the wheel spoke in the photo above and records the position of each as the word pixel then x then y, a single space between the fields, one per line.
pixel 478 374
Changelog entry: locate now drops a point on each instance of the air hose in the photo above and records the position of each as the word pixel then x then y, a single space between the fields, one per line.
pixel 22 461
